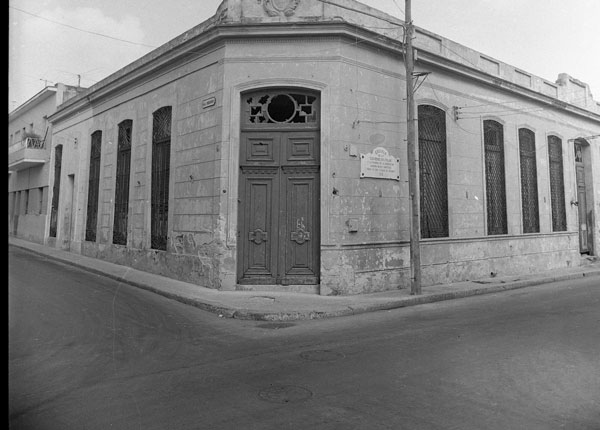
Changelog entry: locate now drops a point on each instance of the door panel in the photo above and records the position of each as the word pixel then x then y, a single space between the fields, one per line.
pixel 301 148
pixel 262 148
pixel 300 237
pixel 259 219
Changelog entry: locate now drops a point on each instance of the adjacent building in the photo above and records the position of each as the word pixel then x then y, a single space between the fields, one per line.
pixel 29 145
pixel 265 149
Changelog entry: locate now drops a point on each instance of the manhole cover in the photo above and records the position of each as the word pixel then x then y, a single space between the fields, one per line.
pixel 284 394
pixel 276 325
pixel 322 355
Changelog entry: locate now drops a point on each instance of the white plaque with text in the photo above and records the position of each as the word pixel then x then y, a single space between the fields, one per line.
pixel 379 164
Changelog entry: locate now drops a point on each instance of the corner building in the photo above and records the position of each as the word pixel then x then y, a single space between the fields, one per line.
pixel 265 149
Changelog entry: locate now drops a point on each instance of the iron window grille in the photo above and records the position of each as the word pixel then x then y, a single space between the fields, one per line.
pixel 93 187
pixel 557 186
pixel 529 190
pixel 40 200
pixel 161 160
pixel 55 190
pixel 122 183
pixel 433 173
pixel 578 152
pixel 493 136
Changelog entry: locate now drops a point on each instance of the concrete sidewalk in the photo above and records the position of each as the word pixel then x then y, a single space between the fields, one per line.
pixel 276 306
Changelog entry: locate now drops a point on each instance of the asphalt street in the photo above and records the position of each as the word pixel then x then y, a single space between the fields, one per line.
pixel 88 352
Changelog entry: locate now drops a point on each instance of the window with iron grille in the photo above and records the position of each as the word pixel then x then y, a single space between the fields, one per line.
pixel 557 186
pixel 122 183
pixel 493 137
pixel 161 159
pixel 433 175
pixel 55 190
pixel 18 203
pixel 529 191
pixel 40 200
pixel 11 203
pixel 93 187
pixel 578 152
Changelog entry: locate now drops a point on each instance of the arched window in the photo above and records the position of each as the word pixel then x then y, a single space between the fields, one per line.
pixel 93 187
pixel 161 160
pixel 493 138
pixel 557 186
pixel 529 191
pixel 122 183
pixel 433 175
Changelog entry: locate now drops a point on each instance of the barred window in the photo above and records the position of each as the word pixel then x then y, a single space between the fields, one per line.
pixel 26 202
pixel 161 159
pixel 93 187
pixel 433 175
pixel 55 190
pixel 493 137
pixel 122 183
pixel 40 200
pixel 529 191
pixel 557 186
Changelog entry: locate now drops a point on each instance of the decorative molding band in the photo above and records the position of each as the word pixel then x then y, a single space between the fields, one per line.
pixel 259 170
pixel 300 169
pixel 265 59
pixel 283 40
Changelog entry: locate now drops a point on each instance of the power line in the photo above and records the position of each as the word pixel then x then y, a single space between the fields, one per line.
pixel 399 8
pixel 80 29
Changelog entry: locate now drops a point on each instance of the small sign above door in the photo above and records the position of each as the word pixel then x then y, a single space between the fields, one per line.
pixel 379 164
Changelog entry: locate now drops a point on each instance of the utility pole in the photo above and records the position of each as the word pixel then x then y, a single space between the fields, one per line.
pixel 412 156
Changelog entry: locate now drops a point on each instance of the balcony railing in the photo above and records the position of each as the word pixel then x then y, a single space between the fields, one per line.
pixel 34 143
pixel 29 152
pixel 29 143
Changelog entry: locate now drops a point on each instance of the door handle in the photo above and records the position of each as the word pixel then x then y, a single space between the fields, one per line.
pixel 574 203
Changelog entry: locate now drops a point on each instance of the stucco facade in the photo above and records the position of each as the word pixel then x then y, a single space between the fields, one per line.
pixel 30 141
pixel 275 99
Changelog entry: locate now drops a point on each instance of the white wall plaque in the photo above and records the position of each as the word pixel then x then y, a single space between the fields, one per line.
pixel 379 164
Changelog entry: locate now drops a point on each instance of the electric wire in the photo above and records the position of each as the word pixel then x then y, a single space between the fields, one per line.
pixel 398 25
pixel 80 29
pixel 399 8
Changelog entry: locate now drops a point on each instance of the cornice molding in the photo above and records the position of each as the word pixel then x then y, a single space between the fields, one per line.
pixel 32 102
pixel 438 61
pixel 185 50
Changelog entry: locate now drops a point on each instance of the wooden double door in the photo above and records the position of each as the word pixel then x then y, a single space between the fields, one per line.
pixel 279 208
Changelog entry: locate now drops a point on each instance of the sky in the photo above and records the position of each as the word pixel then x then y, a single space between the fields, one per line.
pixel 83 41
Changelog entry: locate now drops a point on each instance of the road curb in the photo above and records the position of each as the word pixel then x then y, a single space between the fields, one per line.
pixel 409 301
pixel 247 314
